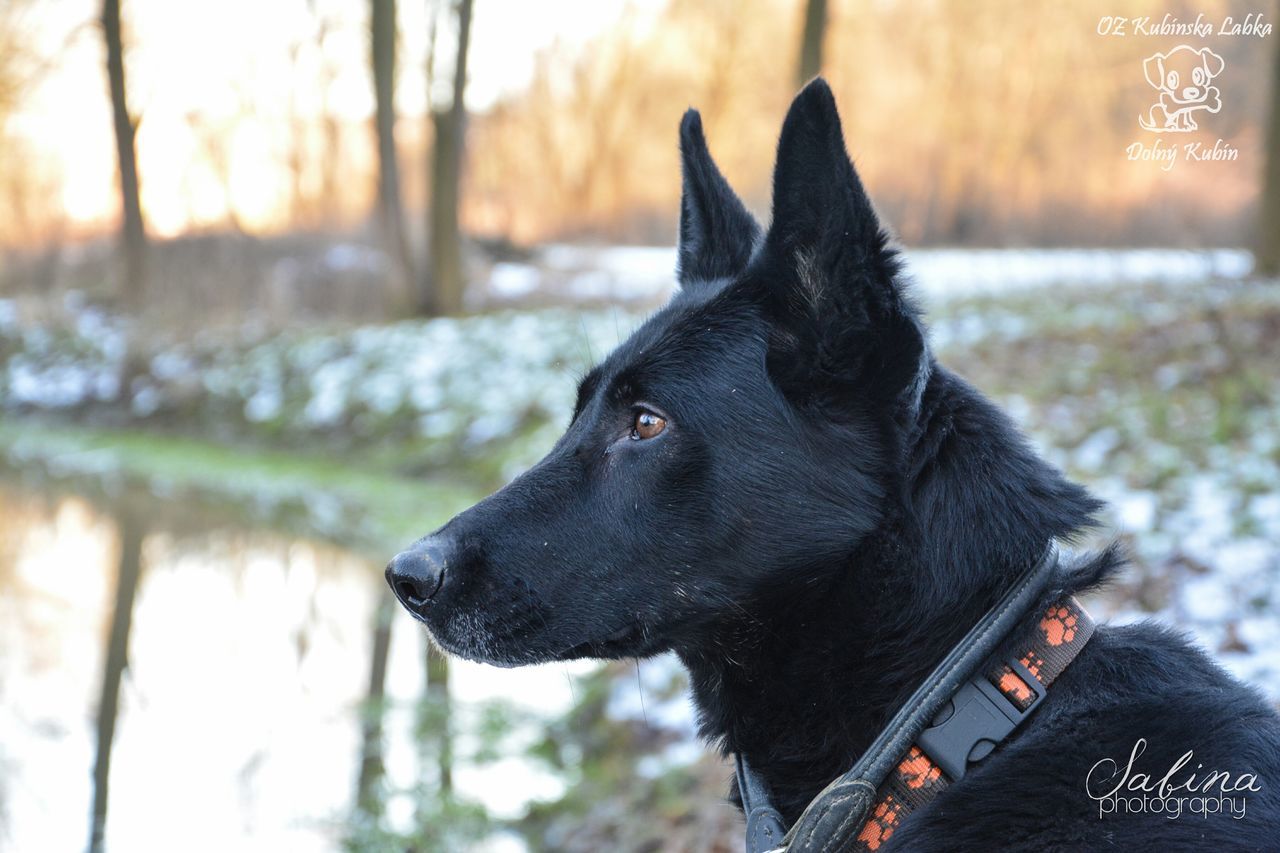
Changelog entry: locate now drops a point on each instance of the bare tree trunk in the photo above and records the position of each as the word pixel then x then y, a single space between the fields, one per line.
pixel 1267 252
pixel 368 797
pixel 133 234
pixel 433 20
pixel 815 27
pixel 444 285
pixel 129 571
pixel 329 210
pixel 390 205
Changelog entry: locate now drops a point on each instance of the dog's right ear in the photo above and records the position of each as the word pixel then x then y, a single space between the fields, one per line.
pixel 1153 67
pixel 717 234
pixel 845 335
pixel 1212 62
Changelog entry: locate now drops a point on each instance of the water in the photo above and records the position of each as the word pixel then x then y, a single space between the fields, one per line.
pixel 240 709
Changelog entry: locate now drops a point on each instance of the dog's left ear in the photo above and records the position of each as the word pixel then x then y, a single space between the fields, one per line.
pixel 1153 68
pixel 845 336
pixel 717 234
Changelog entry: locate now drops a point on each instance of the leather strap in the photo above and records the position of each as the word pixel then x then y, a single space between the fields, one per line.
pixel 765 827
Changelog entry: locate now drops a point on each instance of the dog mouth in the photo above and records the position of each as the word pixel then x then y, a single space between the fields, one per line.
pixel 627 641
pixel 519 646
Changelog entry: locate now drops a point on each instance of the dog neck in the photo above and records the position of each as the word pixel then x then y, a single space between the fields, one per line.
pixel 802 682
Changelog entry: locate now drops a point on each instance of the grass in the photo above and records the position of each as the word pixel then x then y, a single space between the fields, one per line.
pixel 347 500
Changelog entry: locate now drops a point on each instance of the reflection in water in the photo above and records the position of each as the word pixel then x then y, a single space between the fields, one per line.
pixel 128 570
pixel 368 797
pixel 435 719
pixel 229 692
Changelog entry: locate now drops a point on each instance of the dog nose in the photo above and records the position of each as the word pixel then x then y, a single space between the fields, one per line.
pixel 1190 92
pixel 416 575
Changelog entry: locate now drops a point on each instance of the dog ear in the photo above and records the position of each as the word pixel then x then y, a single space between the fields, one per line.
pixel 1153 67
pixel 843 331
pixel 1212 62
pixel 717 234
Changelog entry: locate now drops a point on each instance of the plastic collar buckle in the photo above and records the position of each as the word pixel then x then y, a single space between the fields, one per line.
pixel 976 718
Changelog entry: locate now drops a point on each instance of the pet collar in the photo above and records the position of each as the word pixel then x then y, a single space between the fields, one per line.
pixel 970 703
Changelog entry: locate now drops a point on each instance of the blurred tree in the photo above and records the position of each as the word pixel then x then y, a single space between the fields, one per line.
pixel 133 234
pixel 390 205
pixel 317 152
pixel 1267 250
pixel 131 532
pixel 331 148
pixel 26 210
pixel 815 27
pixel 21 64
pixel 442 291
pixel 214 137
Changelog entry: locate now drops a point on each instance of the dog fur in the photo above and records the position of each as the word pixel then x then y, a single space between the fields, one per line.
pixel 825 513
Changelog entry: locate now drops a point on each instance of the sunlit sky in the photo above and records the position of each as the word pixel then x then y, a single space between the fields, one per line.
pixel 208 63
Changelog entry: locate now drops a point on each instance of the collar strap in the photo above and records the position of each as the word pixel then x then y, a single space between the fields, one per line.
pixel 765 826
pixel 836 817
pixel 984 711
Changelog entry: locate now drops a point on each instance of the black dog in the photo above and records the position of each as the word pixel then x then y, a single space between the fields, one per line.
pixel 773 478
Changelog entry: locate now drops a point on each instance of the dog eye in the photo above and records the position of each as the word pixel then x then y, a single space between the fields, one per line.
pixel 1197 76
pixel 647 425
pixel 1173 79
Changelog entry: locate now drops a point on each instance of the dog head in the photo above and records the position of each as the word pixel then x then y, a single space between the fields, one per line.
pixel 1184 73
pixel 740 442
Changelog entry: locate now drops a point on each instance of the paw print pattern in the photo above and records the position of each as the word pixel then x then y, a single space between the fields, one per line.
pixel 880 826
pixel 1059 625
pixel 916 770
pixel 1063 630
pixel 1017 690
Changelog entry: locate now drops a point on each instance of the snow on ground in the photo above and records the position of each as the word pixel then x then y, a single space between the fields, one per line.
pixel 944 273
pixel 645 274
pixel 475 382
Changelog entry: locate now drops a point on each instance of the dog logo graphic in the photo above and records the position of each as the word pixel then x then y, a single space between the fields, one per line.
pixel 1183 77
